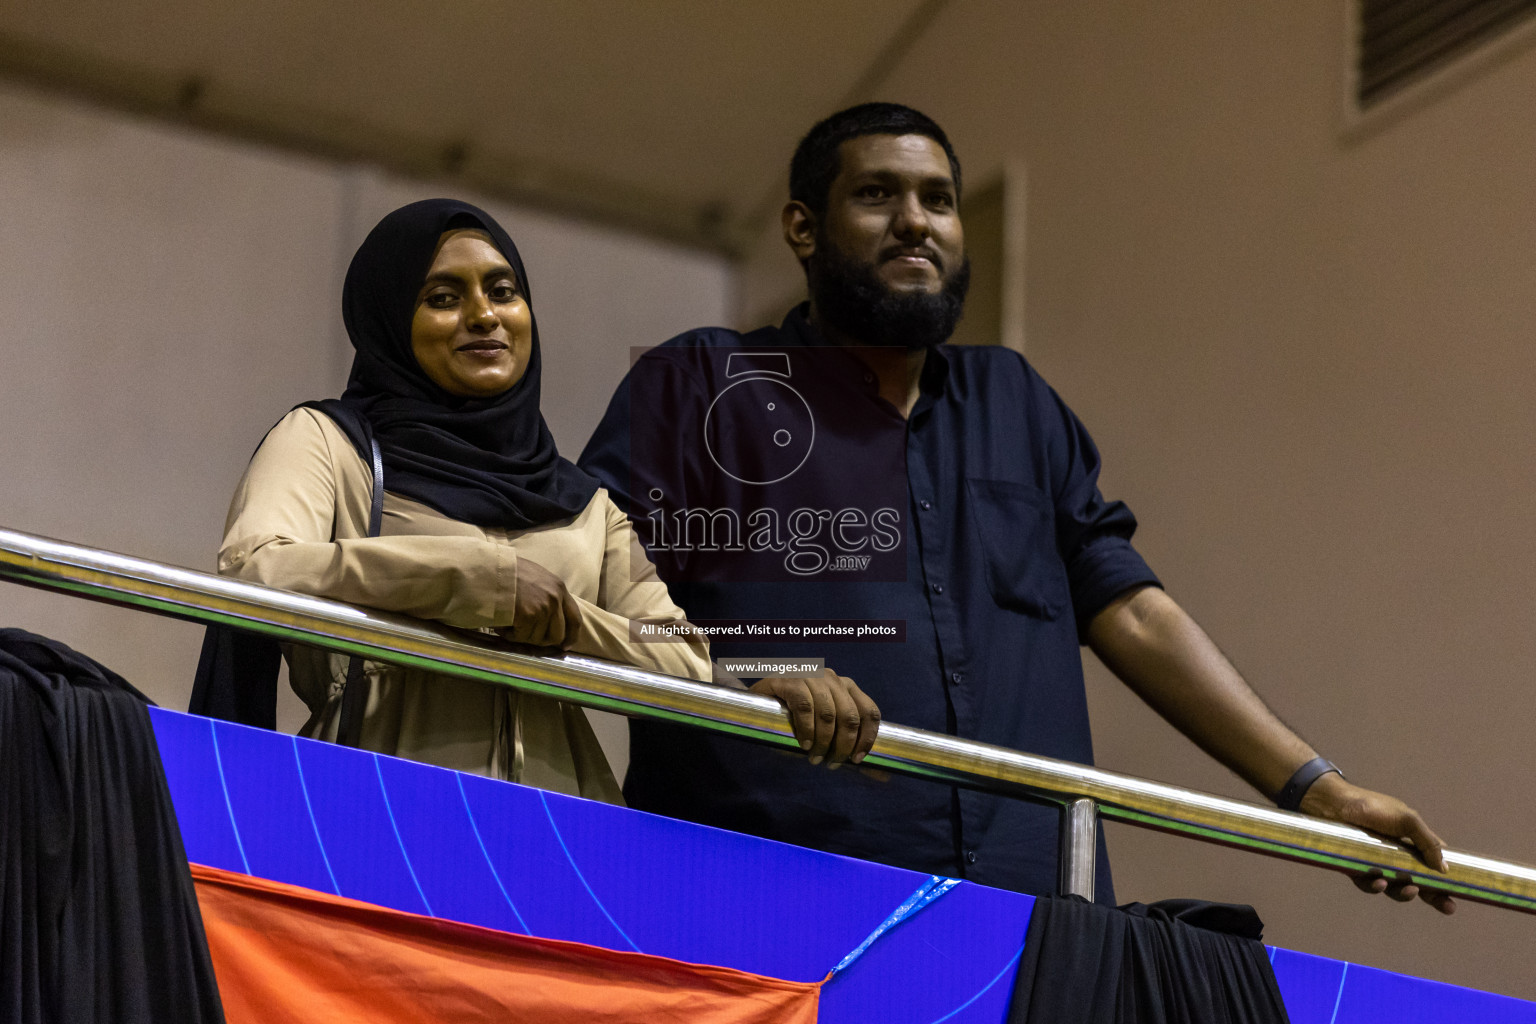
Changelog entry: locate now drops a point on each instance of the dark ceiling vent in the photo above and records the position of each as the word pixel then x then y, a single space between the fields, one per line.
pixel 1402 41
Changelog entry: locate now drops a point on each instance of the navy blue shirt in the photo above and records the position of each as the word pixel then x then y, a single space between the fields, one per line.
pixel 996 551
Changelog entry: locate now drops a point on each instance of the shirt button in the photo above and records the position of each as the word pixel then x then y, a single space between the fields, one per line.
pixel 970 856
pixel 925 505
pixel 956 678
pixel 938 588
pixel 869 378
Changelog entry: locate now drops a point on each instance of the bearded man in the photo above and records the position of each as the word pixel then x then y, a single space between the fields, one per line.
pixel 924 518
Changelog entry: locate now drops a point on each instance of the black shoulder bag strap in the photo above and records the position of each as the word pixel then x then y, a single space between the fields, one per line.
pixel 354 694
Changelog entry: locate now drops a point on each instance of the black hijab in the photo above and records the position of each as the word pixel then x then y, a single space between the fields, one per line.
pixel 486 461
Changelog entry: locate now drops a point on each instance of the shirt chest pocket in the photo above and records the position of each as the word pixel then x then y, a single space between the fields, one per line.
pixel 1015 530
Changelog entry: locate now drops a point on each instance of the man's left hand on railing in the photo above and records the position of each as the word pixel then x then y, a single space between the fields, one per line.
pixel 1161 653
pixel 1336 799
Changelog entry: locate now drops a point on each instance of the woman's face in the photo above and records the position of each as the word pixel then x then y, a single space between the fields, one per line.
pixel 472 333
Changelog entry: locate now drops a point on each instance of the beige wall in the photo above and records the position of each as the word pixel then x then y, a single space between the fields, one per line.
pixel 167 297
pixel 1309 364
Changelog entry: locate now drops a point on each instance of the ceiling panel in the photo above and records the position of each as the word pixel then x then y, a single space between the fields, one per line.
pixel 675 116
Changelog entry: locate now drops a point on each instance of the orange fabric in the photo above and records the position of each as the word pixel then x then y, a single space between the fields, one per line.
pixel 287 954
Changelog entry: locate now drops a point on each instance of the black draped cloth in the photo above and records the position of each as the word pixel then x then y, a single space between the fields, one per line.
pixel 1174 962
pixel 98 918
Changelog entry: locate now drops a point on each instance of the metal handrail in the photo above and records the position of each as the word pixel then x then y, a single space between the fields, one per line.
pixel 591 682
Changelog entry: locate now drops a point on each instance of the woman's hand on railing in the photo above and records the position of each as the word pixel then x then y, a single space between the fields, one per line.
pixel 544 612
pixel 1334 798
pixel 832 718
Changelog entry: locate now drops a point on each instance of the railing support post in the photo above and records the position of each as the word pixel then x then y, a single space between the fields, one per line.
pixel 1079 847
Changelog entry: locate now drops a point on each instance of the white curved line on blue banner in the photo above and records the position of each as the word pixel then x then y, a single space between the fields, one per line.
pixel 304 788
pixel 474 827
pixel 400 842
pixel 218 761
pixel 581 877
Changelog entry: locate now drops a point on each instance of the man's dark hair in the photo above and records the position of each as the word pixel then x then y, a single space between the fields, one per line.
pixel 815 163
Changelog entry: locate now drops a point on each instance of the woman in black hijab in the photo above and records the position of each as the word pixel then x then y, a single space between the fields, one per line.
pixel 483 524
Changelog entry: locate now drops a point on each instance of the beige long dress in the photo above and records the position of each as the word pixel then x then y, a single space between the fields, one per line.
pixel 299 521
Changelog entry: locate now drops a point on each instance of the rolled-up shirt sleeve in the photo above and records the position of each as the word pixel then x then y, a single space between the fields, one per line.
pixel 1093 535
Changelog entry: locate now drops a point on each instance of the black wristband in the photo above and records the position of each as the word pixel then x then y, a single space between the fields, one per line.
pixel 1290 797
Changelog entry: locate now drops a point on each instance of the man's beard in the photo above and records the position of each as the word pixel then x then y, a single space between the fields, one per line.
pixel 852 299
